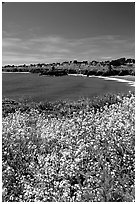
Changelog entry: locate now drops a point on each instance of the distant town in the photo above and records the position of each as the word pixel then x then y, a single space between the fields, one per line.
pixel 121 66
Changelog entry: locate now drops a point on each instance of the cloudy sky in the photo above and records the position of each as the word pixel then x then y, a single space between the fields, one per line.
pixel 55 32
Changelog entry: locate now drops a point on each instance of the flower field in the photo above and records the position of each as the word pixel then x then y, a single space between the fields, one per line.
pixel 78 152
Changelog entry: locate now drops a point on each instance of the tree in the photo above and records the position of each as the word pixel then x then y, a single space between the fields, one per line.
pixel 109 68
pixel 75 62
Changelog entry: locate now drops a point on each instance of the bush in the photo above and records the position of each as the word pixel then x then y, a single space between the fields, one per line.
pixel 89 156
pixel 72 71
pixel 124 72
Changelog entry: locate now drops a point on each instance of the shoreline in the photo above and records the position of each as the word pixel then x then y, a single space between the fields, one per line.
pixel 131 83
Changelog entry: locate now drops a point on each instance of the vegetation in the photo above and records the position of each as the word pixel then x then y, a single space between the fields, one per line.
pixel 120 67
pixel 59 108
pixel 69 151
pixel 54 72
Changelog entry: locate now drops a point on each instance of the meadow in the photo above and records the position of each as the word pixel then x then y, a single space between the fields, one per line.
pixel 69 151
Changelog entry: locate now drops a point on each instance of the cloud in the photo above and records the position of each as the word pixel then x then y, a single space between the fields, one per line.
pixel 55 48
pixel 10 42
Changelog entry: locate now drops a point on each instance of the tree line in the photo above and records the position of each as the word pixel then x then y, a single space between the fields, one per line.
pixel 121 66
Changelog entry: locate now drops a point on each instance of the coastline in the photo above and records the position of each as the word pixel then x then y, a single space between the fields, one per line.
pixel 131 83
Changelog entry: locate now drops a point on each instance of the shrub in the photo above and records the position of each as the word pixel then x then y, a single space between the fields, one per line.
pixel 89 156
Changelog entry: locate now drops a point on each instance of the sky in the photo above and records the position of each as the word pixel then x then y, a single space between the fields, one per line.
pixel 47 32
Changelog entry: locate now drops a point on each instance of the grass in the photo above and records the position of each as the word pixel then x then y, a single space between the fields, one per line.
pixel 61 107
pixel 69 150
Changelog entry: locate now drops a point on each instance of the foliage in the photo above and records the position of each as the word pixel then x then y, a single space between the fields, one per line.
pixel 86 155
pixel 120 67
pixel 59 107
